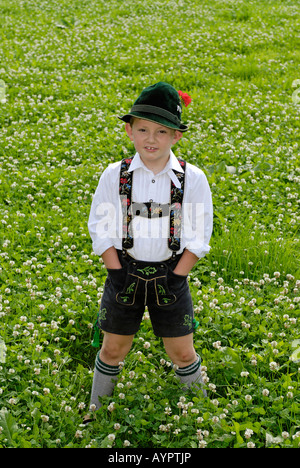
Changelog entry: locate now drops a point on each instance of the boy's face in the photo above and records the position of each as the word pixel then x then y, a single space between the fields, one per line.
pixel 153 142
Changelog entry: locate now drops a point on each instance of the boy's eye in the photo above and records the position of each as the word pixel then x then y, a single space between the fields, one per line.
pixel 143 130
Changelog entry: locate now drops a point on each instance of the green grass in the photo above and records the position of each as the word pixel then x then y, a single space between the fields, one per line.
pixel 253 253
pixel 67 70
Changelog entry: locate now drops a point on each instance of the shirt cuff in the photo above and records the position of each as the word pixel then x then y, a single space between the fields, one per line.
pixel 100 247
pixel 199 251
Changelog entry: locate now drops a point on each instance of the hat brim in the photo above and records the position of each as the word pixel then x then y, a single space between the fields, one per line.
pixel 153 118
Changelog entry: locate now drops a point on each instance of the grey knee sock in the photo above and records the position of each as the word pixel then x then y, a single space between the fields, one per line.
pixel 191 375
pixel 104 381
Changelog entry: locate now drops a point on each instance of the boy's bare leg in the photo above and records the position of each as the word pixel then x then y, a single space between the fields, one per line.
pixel 181 350
pixel 182 353
pixel 113 351
pixel 115 348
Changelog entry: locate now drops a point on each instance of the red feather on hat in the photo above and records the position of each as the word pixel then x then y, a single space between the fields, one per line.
pixel 185 97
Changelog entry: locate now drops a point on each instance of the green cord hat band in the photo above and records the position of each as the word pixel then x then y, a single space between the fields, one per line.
pixel 157 111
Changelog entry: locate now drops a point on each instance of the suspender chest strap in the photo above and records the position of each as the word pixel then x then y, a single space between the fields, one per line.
pixel 176 209
pixel 125 191
pixel 129 208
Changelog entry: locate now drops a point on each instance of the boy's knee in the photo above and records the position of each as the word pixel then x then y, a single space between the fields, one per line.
pixel 114 352
pixel 187 357
pixel 181 350
pixel 183 357
pixel 111 353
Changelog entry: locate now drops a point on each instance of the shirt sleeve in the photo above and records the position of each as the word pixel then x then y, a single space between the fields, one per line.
pixel 197 213
pixel 103 218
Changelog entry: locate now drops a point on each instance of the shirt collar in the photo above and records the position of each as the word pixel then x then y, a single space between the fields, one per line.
pixel 169 168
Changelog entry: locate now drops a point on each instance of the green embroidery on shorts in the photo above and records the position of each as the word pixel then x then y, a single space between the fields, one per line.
pixel 161 290
pixel 188 321
pixel 102 315
pixel 124 298
pixel 130 288
pixel 147 270
pixel 166 300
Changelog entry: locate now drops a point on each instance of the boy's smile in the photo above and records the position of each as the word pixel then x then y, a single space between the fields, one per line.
pixel 153 142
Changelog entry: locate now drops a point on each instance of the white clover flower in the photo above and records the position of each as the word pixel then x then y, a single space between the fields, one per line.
pixel 215 402
pixel 248 433
pixel 202 444
pixel 250 445
pixel 111 407
pixel 217 344
pixel 274 365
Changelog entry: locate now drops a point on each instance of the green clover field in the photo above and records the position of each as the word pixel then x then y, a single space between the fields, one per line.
pixel 68 68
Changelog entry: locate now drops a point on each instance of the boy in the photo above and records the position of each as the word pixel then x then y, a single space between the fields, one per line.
pixel 150 220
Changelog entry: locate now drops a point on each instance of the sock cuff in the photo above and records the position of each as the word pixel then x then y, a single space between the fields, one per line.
pixel 189 370
pixel 106 368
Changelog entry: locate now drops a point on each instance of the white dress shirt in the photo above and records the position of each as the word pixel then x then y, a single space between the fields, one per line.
pixel 151 235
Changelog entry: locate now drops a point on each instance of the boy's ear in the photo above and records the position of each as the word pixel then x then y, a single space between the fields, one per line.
pixel 177 136
pixel 128 129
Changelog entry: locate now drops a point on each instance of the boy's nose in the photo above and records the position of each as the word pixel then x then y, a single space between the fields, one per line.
pixel 151 137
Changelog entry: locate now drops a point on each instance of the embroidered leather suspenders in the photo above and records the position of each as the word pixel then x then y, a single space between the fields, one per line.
pixel 150 209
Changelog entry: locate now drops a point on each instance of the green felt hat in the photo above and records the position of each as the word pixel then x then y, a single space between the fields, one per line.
pixel 159 103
